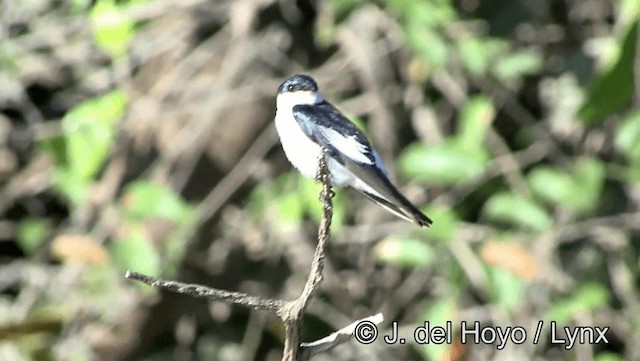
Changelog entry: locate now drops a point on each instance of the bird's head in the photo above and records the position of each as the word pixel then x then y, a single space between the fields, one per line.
pixel 298 89
pixel 298 82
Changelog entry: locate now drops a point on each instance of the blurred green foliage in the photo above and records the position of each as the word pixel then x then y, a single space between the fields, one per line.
pixel 587 297
pixel 518 88
pixel 113 30
pixel 612 90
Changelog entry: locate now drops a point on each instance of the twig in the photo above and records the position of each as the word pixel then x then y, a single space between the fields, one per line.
pixel 293 311
pixel 290 312
pixel 341 336
pixel 211 294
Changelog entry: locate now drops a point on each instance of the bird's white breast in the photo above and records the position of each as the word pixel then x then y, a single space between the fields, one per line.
pixel 301 151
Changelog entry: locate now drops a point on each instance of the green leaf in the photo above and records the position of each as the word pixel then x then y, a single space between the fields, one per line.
pixel 428 45
pixel 421 22
pixel 294 196
pixel 74 188
pixel 437 315
pixel 112 27
pixel 90 129
pixel 588 175
pixel 613 89
pixel 446 164
pixel 309 197
pixel 144 204
pixel 423 13
pixel 587 297
pixel 516 65
pixel 477 54
pixel 552 184
pixel 446 223
pixel 628 11
pixel 578 189
pixel 518 211
pixel 56 148
pixel 289 210
pixel 136 253
pixel 31 232
pixel 341 9
pixel 506 288
pixel 145 199
pixel 475 118
pixel 404 252
pixel 80 6
pixel 608 356
pixel 627 135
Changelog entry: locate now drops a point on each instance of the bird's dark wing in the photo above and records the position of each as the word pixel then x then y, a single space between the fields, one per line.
pixel 386 194
pixel 325 125
pixel 346 144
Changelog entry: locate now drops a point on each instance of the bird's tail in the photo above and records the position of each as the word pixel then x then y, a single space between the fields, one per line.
pixel 402 208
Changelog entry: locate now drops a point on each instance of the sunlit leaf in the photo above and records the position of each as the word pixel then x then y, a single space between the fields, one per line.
pixel 553 184
pixel 309 198
pixel 144 199
pixel 446 164
pixel 518 64
pixel 477 54
pixel 473 55
pixel 89 129
pixel 627 136
pixel 79 6
pixel 438 314
pixel 136 253
pixel 446 223
pixel 421 21
pixel 74 188
pixel 518 211
pixel 608 356
pixel 428 45
pixel 405 252
pixel 589 176
pixel 112 27
pixel 476 117
pixel 577 188
pixel 31 232
pixel 290 210
pixel 586 298
pixel 628 11
pixel 505 287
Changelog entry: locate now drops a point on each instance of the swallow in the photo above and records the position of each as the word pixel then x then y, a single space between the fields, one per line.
pixel 307 123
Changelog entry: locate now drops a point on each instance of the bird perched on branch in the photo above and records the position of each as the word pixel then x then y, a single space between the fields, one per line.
pixel 306 123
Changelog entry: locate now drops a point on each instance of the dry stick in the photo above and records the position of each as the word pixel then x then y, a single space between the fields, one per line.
pixel 290 312
pixel 293 311
pixel 212 294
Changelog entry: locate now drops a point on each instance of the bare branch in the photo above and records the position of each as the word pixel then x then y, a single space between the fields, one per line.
pixel 211 294
pixel 293 311
pixel 307 350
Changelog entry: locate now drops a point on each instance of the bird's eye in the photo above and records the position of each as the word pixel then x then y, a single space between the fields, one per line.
pixel 290 87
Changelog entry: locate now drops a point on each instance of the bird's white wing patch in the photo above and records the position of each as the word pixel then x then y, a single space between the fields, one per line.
pixel 349 146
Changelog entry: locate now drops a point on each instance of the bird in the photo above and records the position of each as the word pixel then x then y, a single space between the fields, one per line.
pixel 307 124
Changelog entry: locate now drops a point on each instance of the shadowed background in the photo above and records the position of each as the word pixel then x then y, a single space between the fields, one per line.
pixel 139 135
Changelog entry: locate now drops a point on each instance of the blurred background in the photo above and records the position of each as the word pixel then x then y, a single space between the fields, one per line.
pixel 139 135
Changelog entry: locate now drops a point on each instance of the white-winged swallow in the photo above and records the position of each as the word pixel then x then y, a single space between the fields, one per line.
pixel 306 123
